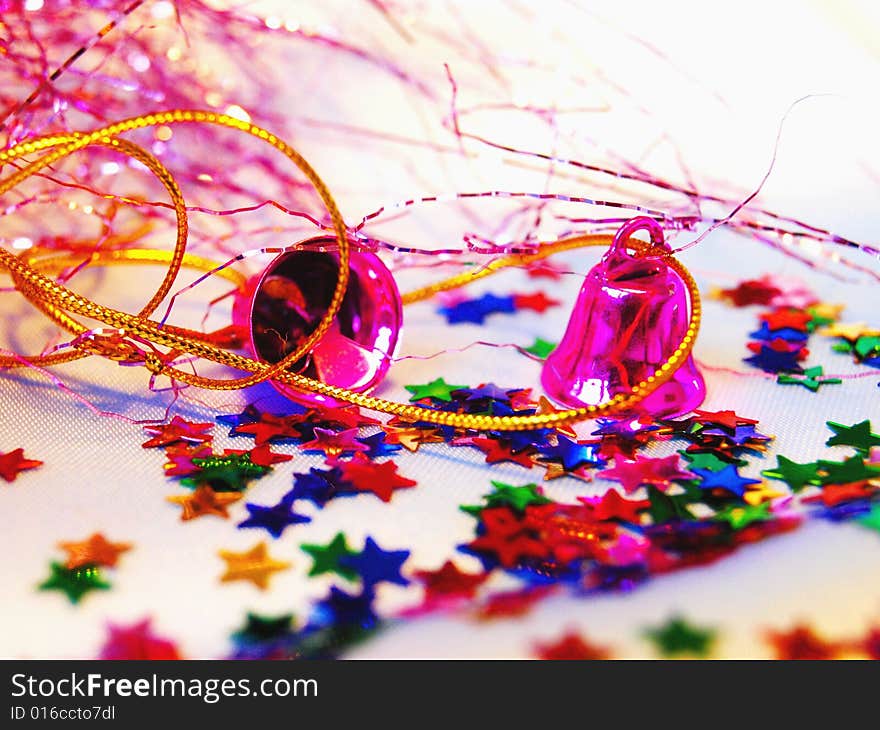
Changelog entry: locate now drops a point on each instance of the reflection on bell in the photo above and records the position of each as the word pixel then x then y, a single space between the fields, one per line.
pixel 631 314
pixel 284 304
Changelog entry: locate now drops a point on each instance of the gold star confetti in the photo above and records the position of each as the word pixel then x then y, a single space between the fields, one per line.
pixel 848 331
pixel 761 493
pixel 545 406
pixel 411 438
pixel 205 501
pixel 96 550
pixel 255 565
pixel 824 310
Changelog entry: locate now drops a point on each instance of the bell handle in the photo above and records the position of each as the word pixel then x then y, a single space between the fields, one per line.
pixel 639 223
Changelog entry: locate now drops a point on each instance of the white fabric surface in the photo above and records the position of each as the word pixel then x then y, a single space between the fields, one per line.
pixel 96 477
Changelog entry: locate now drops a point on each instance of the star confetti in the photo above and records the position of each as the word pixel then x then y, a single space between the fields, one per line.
pixel 540 348
pixel 797 476
pixel 497 451
pixel 727 478
pixel 254 565
pixel 754 291
pixel 137 642
pixel 571 646
pixel 319 486
pixel 274 519
pixel 811 379
pixel 95 550
pixel 14 462
pixel 659 472
pixel 379 478
pixel 438 388
pixel 204 501
pixel 375 565
pixel 334 444
pixel 475 311
pixel 537 302
pixel 611 506
pixel 571 454
pixel 330 558
pixel 259 628
pixel 859 436
pixel 74 583
pixel 800 642
pixel 178 430
pixel 226 473
pixel 677 637
pixel 739 517
pixel 262 455
pixel 449 582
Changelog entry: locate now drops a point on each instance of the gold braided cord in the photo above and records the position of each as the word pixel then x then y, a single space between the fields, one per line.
pixel 57 300
pixel 66 144
pixel 53 262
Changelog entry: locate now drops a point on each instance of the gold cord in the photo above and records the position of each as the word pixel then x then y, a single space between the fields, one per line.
pixel 59 302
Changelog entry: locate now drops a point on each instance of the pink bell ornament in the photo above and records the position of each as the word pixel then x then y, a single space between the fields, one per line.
pixel 284 304
pixel 631 315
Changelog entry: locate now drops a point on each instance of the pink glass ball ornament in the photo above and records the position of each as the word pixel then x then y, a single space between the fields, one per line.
pixel 284 304
pixel 630 316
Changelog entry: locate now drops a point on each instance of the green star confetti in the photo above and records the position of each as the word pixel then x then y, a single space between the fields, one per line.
pixel 872 519
pixel 229 473
pixel 676 638
pixel 797 476
pixel 858 436
pixel 438 388
pixel 853 469
pixel 74 583
pixel 811 379
pixel 518 498
pixel 540 348
pixel 264 628
pixel 708 461
pixel 867 346
pixel 329 558
pixel 741 516
pixel 668 508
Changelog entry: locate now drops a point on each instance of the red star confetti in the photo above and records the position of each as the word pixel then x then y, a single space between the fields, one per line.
pixel 571 646
pixel 180 458
pixel 178 430
pixel 13 462
pixel 507 538
pixel 496 452
pixel 511 603
pixel 795 319
pixel 537 302
pixel 753 291
pixel 449 582
pixel 342 416
pixel 801 642
pixel 633 474
pixel 261 455
pixel 380 479
pixel 137 642
pixel 611 506
pixel 334 444
pixel 835 494
pixel 725 419
pixel 270 427
pixel 96 550
pixel 870 644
